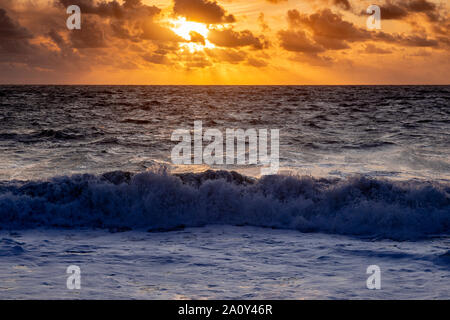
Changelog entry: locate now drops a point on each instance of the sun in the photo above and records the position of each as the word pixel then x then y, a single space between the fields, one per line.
pixel 185 29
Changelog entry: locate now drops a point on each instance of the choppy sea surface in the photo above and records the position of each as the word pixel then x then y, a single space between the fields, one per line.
pixel 380 131
pixel 86 178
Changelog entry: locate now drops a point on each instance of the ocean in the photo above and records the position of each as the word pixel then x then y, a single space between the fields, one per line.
pixel 86 179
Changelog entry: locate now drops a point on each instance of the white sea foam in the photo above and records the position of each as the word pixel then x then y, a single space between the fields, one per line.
pixel 158 201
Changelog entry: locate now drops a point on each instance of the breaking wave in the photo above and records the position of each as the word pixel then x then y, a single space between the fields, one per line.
pixel 158 201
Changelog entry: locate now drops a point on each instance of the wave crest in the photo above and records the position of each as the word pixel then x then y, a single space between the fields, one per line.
pixel 359 206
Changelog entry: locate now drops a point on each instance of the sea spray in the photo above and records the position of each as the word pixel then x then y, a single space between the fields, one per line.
pixel 358 206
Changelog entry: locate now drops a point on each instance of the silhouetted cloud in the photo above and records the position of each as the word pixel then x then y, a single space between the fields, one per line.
pixel 398 10
pixel 153 31
pixel 90 36
pixel 327 24
pixel 10 29
pixel 258 63
pixel 202 11
pixel 370 48
pixel 231 38
pixel 314 34
pixel 297 41
pixel 407 40
pixel 13 37
pixel 156 58
pixel 342 4
pixel 130 8
pixel 326 31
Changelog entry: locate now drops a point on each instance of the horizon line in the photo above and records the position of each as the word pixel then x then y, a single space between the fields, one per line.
pixel 221 85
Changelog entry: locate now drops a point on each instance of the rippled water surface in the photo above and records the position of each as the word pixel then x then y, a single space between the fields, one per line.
pixel 380 131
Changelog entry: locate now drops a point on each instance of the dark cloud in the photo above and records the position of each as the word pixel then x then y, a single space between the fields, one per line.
pixel 332 32
pixel 132 4
pixel 421 5
pixel 9 47
pixel 398 10
pixel 231 38
pixel 392 11
pixel 10 29
pixel 443 28
pixel 331 43
pixel 344 4
pixel 258 63
pixel 327 24
pixel 131 21
pixel 57 38
pixel 160 55
pixel 406 40
pixel 19 48
pixel 324 30
pixel 372 49
pixel 122 31
pixel 91 35
pixel 63 45
pixel 13 37
pixel 294 19
pixel 328 31
pixel 202 11
pixel 297 41
pixel 151 30
pixel 105 9
pixel 226 55
pixel 417 41
pixel 313 59
pixel 156 58
pixel 129 9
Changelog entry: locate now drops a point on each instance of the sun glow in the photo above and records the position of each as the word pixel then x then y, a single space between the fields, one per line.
pixel 185 29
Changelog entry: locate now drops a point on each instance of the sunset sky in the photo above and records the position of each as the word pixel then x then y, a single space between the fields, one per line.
pixel 224 42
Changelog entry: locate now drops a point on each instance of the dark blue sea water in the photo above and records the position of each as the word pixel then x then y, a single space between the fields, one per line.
pixel 379 131
pixel 86 179
pixel 360 160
